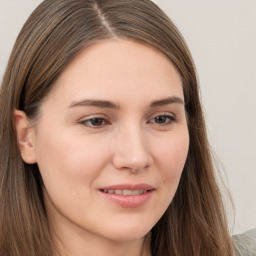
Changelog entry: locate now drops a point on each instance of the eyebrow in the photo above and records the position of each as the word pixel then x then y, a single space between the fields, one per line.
pixel 111 105
pixel 94 103
pixel 166 101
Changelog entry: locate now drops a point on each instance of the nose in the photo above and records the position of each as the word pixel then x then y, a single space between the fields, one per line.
pixel 131 151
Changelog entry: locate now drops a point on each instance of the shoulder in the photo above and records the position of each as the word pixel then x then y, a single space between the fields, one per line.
pixel 245 244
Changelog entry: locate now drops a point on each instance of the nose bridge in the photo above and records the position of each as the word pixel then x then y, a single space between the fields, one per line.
pixel 131 151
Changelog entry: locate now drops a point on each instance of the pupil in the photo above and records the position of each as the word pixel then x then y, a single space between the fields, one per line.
pixel 97 121
pixel 160 119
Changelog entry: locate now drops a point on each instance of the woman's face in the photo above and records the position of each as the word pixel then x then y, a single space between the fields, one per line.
pixel 111 141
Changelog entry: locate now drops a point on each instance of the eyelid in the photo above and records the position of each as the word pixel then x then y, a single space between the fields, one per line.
pixel 85 121
pixel 171 119
pixel 162 113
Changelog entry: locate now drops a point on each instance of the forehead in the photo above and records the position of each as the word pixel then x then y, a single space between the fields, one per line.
pixel 118 67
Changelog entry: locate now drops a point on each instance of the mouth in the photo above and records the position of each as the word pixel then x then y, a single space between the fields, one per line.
pixel 125 192
pixel 128 196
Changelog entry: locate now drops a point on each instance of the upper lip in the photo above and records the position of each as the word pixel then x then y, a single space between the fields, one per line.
pixel 129 187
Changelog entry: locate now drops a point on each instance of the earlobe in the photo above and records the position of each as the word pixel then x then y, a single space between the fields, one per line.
pixel 25 137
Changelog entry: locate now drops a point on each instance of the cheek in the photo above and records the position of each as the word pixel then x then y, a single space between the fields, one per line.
pixel 173 151
pixel 69 168
pixel 171 160
pixel 69 165
pixel 69 153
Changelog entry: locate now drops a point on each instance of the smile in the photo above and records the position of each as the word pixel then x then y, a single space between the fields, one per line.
pixel 128 195
pixel 126 192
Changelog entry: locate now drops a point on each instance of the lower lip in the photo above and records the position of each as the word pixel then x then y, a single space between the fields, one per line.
pixel 128 201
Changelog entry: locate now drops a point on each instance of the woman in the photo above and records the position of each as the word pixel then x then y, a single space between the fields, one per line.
pixel 103 143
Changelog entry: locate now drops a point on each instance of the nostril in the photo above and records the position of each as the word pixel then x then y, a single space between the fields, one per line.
pixel 131 153
pixel 131 165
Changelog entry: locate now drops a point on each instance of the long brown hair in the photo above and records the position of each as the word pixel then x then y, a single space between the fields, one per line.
pixel 195 222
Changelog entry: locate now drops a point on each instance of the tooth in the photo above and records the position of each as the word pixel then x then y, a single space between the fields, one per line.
pixel 127 192
pixel 135 192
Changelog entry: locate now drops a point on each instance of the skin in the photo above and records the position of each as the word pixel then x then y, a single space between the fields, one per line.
pixel 133 143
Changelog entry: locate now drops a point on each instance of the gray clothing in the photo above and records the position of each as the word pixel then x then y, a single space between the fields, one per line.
pixel 245 244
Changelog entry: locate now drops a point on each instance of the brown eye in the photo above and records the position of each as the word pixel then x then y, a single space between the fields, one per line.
pixel 96 122
pixel 162 119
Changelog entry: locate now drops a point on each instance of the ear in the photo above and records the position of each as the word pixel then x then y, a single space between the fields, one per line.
pixel 25 137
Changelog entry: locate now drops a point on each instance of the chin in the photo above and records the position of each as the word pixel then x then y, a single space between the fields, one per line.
pixel 128 233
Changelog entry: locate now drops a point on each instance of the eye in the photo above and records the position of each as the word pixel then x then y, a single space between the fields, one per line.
pixel 96 122
pixel 163 119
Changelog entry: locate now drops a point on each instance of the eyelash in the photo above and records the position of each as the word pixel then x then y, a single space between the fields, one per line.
pixel 88 122
pixel 166 120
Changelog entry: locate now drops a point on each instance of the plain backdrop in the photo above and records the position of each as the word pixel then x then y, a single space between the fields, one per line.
pixel 221 35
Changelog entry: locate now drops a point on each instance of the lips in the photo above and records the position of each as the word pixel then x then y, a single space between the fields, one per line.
pixel 126 192
pixel 128 195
